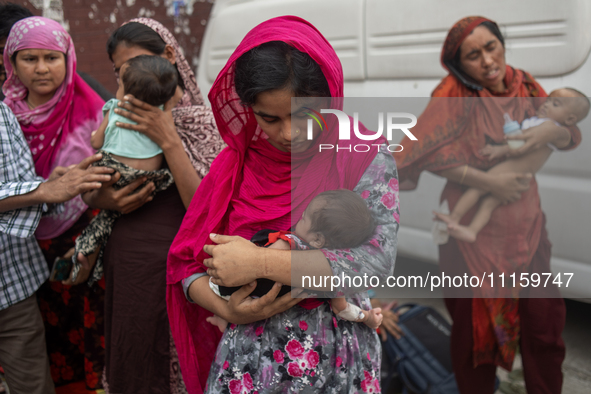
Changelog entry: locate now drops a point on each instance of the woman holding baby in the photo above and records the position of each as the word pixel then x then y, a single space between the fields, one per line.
pixel 264 179
pixel 140 353
pixel 464 115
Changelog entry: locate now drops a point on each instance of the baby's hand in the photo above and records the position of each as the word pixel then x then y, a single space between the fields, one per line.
pixel 374 318
pixel 495 151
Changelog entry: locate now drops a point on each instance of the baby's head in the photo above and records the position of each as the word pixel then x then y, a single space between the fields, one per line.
pixel 566 106
pixel 152 79
pixel 337 219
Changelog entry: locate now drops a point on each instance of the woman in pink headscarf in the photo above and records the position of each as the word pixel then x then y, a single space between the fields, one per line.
pixel 265 178
pixel 57 112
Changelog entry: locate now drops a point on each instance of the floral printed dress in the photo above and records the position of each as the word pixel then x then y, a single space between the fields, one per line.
pixel 313 351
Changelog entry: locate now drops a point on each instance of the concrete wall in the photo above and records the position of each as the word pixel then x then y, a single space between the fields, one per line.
pixel 91 22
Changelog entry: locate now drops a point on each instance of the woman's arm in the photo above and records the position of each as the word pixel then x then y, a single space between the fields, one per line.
pixel 78 179
pixel 506 187
pixel 241 309
pixel 122 200
pixel 536 137
pixel 237 261
pixel 159 126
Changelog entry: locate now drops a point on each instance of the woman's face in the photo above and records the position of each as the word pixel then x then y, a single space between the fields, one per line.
pixel 41 71
pixel 120 88
pixel 123 53
pixel 482 57
pixel 285 127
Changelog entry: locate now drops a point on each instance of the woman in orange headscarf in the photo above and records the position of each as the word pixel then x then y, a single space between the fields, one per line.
pixel 464 114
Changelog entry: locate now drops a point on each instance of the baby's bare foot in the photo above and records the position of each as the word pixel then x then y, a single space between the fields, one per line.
pixel 217 321
pixel 448 219
pixel 374 318
pixel 462 233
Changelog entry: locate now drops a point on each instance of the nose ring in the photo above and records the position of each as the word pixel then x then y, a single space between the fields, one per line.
pixel 297 131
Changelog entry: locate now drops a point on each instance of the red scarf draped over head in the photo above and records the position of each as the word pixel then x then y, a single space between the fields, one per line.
pixel 252 185
pixel 58 132
pixel 460 119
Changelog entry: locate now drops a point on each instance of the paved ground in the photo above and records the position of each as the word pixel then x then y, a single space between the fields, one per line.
pixel 577 335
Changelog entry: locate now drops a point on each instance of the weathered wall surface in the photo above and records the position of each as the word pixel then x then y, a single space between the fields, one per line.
pixel 91 22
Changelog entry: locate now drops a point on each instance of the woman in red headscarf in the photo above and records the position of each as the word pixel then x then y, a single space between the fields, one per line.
pixel 464 114
pixel 265 178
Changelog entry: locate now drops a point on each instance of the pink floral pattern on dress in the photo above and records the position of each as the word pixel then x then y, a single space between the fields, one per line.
pixel 313 350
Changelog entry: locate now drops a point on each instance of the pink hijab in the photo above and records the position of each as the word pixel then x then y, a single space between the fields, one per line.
pixel 252 185
pixel 58 132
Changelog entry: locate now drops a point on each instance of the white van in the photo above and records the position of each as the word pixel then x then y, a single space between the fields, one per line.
pixel 391 48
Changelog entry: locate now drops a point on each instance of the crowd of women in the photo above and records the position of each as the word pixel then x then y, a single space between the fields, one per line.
pixel 240 167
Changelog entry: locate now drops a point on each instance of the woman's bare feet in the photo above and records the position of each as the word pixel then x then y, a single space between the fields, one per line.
pixel 374 318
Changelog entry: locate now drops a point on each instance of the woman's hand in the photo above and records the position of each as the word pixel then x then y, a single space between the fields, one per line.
pixel 83 274
pixel 66 183
pixel 59 171
pixel 390 326
pixel 121 200
pixel 159 126
pixel 539 136
pixel 242 309
pixel 508 187
pixel 494 152
pixel 155 123
pixel 235 261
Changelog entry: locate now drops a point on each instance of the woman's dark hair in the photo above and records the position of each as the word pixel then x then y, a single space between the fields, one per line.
pixel 344 219
pixel 152 79
pixel 11 13
pixel 455 65
pixel 135 34
pixel 277 65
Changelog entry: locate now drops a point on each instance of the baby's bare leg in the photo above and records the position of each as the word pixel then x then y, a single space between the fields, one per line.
pixel 481 218
pixel 484 213
pixel 464 204
pixel 529 163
